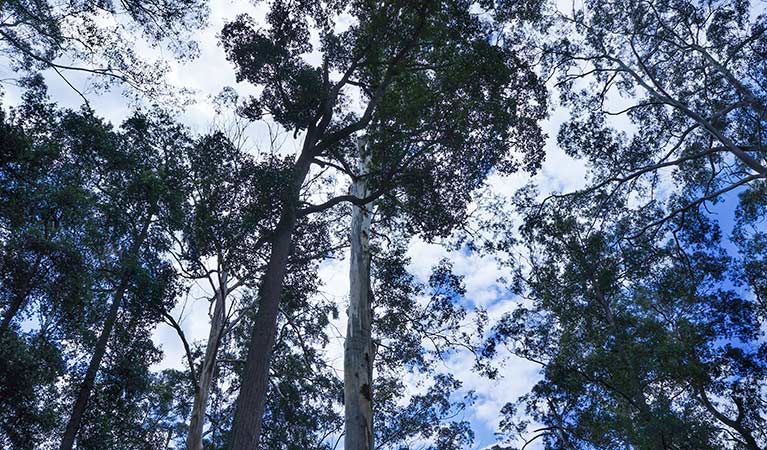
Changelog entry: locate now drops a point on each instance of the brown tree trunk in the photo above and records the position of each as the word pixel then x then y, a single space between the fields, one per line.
pixel 358 346
pixel 73 425
pixel 251 401
pixel 78 410
pixel 20 298
pixel 202 391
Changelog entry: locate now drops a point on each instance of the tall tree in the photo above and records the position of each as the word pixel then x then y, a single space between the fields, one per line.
pixel 359 349
pixel 689 76
pixel 127 406
pixel 232 207
pixel 72 187
pixel 387 55
pixel 139 196
pixel 45 205
pixel 642 346
pixel 45 242
pixel 304 391
pixel 693 141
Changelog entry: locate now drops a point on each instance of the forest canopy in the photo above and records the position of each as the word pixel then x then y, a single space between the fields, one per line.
pixel 383 224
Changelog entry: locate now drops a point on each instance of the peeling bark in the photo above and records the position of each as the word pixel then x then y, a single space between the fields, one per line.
pixel 358 347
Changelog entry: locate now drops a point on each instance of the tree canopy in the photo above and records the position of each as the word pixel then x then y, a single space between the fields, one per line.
pixel 397 210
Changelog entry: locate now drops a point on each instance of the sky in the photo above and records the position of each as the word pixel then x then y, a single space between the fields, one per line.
pixel 206 76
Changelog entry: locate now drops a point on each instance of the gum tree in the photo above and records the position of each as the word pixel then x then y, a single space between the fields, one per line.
pixel 385 60
pixel 688 76
pixel 647 345
pixel 138 195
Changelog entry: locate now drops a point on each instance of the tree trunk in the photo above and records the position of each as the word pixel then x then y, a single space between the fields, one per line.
pixel 20 298
pixel 202 392
pixel 13 309
pixel 73 425
pixel 358 347
pixel 637 395
pixel 78 410
pixel 251 401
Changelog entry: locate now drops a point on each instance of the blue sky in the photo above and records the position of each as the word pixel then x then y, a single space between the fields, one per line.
pixel 207 75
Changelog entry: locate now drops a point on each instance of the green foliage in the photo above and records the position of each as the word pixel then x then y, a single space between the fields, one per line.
pixel 76 37
pixel 645 319
pixel 646 322
pixel 75 195
pixel 427 416
pixel 302 406
pixel 30 366
pixel 442 106
pixel 687 76
pixel 234 202
pixel 642 343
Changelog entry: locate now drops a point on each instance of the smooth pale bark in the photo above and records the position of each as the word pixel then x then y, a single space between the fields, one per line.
pixel 251 401
pixel 202 391
pixel 358 346
pixel 83 394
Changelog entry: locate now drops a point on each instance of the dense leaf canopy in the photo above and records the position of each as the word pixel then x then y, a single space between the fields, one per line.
pixel 163 287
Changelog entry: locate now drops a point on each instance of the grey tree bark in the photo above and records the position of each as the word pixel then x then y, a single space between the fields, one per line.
pixel 359 352
pixel 202 388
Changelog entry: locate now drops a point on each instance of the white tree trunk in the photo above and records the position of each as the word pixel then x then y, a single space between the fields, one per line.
pixel 358 348
pixel 197 420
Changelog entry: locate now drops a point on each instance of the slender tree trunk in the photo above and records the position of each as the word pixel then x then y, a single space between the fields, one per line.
pixel 637 395
pixel 251 401
pixel 78 410
pixel 73 425
pixel 20 298
pixel 358 347
pixel 202 392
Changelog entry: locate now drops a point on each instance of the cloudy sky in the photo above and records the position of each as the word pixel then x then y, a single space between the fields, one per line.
pixel 206 76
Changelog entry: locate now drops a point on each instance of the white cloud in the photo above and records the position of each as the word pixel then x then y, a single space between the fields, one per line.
pixel 207 75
